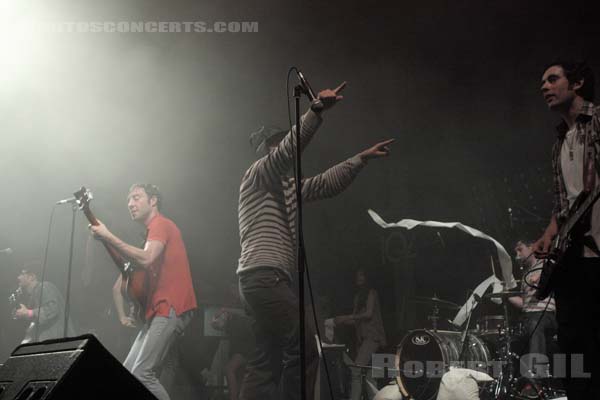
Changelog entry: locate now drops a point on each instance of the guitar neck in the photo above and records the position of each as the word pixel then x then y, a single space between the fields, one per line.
pixel 116 257
pixel 585 205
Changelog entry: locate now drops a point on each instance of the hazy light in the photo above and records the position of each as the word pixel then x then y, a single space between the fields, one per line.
pixel 24 41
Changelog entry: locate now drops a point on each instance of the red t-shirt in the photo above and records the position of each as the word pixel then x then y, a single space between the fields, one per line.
pixel 170 273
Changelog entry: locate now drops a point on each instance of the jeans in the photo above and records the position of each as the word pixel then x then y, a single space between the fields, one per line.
pixel 150 351
pixel 539 358
pixel 273 308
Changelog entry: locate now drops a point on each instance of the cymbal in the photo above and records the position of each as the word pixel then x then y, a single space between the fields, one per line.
pixel 502 295
pixel 435 302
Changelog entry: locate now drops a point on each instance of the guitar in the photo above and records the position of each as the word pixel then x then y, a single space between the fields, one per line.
pixel 135 281
pixel 17 297
pixel 570 231
pixel 29 333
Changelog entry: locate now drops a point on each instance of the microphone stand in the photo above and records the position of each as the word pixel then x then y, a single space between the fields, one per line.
pixel 298 90
pixel 69 272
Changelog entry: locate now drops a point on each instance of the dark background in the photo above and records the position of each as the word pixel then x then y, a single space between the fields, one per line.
pixel 456 83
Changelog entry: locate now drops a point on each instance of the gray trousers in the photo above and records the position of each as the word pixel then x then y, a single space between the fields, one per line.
pixel 546 329
pixel 151 350
pixel 363 357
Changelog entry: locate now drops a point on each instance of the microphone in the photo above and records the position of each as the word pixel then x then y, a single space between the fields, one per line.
pixel 306 86
pixel 7 250
pixel 67 201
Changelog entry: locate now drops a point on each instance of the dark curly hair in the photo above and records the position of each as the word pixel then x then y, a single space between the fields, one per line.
pixel 575 71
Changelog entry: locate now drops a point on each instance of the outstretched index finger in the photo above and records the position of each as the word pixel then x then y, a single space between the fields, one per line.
pixel 340 87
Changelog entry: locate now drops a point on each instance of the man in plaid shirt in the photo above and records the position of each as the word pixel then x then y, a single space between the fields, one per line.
pixel 568 89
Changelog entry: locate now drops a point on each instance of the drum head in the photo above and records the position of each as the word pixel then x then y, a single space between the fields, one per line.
pixel 423 356
pixel 420 362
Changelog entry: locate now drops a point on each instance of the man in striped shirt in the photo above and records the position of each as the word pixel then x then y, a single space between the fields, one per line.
pixel 267 213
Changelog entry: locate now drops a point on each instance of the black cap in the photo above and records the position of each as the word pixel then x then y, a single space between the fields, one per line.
pixel 259 138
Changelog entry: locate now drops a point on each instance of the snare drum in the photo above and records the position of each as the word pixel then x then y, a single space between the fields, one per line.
pixel 491 325
pixel 423 356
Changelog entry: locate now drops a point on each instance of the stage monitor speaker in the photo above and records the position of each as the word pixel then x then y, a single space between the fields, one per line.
pixel 71 368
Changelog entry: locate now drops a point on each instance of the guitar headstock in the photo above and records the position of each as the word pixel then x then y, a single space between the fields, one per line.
pixel 84 197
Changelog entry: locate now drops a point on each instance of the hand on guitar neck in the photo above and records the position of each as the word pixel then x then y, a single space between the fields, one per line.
pixel 100 231
pixel 543 245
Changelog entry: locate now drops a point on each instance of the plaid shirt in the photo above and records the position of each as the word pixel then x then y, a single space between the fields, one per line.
pixel 588 125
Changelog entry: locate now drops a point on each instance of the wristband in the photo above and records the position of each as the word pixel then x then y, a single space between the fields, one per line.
pixel 317 106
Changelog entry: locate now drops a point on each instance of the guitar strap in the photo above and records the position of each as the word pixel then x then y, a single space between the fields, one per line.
pixel 590 172
pixel 590 164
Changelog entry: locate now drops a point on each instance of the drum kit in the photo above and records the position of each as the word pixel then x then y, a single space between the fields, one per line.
pixel 424 355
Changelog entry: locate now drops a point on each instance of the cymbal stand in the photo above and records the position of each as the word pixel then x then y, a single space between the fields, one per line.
pixel 434 317
pixel 363 384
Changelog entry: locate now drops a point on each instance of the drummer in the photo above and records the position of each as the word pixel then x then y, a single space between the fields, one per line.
pixel 533 309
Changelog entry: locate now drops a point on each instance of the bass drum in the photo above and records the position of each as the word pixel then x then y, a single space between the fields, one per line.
pixel 423 356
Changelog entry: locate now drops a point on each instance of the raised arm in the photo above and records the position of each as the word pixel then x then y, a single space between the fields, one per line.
pixel 333 181
pixel 337 178
pixel 268 170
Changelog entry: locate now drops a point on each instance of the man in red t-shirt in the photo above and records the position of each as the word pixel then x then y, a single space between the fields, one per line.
pixel 171 298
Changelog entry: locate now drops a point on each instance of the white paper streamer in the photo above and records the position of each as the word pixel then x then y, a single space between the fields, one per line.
pixel 503 257
pixel 471 303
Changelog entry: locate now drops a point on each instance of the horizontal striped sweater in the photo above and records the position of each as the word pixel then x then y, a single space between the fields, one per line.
pixel 530 302
pixel 267 203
